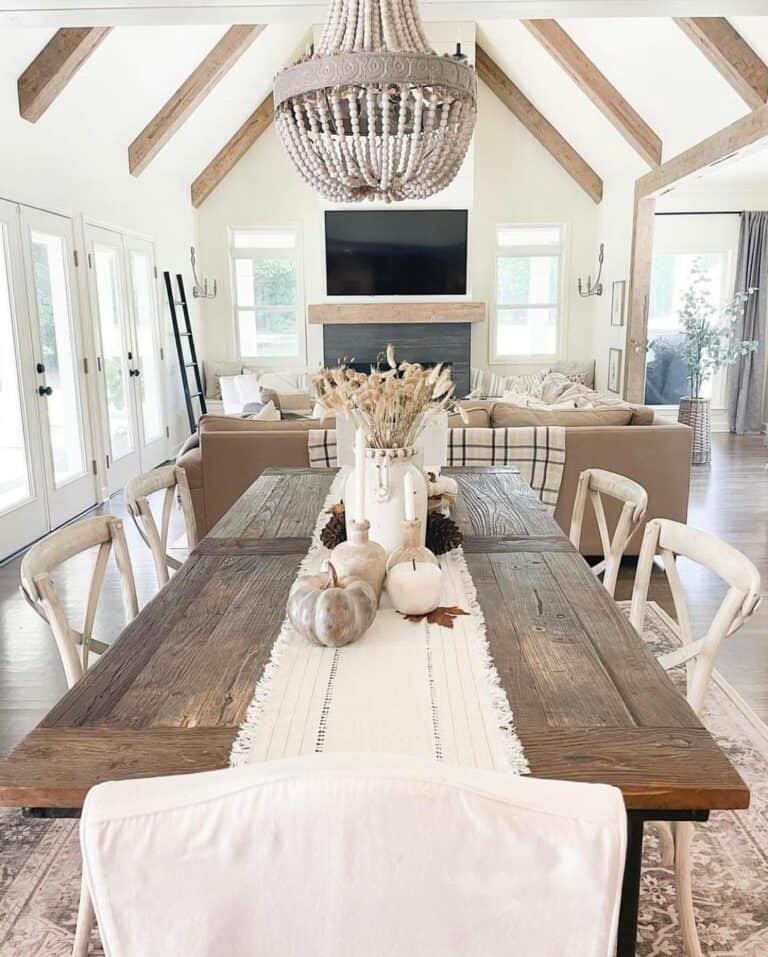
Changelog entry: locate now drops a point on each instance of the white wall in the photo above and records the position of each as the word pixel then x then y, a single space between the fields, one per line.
pixel 73 161
pixel 515 180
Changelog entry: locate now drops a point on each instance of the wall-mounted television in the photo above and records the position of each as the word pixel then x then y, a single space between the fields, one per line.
pixel 404 252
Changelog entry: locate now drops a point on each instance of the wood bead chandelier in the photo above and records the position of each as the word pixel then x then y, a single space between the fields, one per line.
pixel 374 112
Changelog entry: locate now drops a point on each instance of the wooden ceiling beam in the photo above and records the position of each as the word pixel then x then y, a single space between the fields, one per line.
pixel 598 88
pixel 233 151
pixel 54 66
pixel 731 56
pixel 538 125
pixel 190 95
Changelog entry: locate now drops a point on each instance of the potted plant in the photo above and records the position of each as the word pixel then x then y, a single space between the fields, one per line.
pixel 710 342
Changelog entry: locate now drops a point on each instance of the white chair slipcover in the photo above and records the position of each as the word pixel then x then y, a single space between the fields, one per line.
pixel 354 856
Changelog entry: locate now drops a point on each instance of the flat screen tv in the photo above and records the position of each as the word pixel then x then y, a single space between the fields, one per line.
pixel 408 252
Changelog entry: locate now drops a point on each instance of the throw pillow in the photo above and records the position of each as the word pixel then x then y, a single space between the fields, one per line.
pixel 212 371
pixel 523 383
pixel 230 394
pixel 282 382
pixel 248 388
pixel 267 414
pixel 582 372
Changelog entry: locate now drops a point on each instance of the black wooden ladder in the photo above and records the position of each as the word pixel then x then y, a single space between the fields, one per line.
pixel 188 359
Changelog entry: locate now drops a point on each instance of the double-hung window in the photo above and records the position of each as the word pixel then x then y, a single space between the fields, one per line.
pixel 527 321
pixel 267 293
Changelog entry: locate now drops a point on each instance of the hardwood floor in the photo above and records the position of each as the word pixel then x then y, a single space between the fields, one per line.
pixel 728 498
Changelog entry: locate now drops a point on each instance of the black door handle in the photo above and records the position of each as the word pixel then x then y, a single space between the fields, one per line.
pixel 44 390
pixel 40 367
pixel 134 372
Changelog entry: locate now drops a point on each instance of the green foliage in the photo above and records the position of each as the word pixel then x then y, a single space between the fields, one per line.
pixel 711 335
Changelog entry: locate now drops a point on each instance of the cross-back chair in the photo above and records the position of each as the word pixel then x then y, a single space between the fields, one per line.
pixel 670 540
pixel 137 492
pixel 593 485
pixel 102 531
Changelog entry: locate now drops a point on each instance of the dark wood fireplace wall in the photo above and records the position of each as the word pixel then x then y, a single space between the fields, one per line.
pixel 426 342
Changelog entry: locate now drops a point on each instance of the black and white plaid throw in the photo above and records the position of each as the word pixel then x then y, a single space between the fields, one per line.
pixel 322 449
pixel 538 451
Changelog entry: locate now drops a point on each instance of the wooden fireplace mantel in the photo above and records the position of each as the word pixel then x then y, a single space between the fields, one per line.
pixel 379 312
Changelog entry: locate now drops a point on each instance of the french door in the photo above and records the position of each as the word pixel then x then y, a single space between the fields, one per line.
pixel 129 354
pixel 47 476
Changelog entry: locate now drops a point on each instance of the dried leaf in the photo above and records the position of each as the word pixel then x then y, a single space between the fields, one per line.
pixel 443 615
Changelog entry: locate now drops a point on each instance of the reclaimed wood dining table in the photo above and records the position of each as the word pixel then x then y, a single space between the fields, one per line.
pixel 590 701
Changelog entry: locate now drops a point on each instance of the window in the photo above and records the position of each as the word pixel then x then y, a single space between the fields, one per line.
pixel 528 276
pixel 666 379
pixel 269 315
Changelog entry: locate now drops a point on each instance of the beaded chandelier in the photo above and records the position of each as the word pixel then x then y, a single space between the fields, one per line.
pixel 374 112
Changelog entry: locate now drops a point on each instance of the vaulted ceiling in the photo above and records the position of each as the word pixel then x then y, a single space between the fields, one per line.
pixel 620 92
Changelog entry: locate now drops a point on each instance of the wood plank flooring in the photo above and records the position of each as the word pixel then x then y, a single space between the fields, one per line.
pixel 729 498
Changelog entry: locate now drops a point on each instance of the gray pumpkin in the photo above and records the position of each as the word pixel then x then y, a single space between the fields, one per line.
pixel 329 613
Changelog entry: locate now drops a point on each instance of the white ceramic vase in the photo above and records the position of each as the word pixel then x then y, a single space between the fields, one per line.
pixel 385 471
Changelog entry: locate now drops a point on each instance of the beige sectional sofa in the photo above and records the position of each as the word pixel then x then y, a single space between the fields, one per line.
pixel 233 453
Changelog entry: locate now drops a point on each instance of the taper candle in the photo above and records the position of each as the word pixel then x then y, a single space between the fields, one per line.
pixel 409 494
pixel 360 475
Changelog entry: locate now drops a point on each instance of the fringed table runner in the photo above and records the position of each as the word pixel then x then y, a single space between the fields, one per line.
pixel 404 688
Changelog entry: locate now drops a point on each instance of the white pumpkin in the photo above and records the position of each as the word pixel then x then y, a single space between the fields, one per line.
pixel 329 613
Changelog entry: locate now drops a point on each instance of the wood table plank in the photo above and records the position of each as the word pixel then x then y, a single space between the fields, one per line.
pixel 590 702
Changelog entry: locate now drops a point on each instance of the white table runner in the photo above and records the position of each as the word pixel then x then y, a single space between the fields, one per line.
pixel 404 688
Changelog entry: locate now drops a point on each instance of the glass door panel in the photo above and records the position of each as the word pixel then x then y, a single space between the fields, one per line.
pixel 57 341
pixel 150 381
pixel 114 350
pixel 62 407
pixel 23 512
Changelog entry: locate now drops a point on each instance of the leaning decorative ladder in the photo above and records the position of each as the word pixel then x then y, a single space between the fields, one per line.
pixel 184 362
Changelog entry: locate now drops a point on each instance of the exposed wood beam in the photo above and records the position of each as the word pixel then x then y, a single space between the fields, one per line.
pixel 538 125
pixel 598 88
pixel 232 152
pixel 54 66
pixel 746 132
pixel 731 56
pixel 189 96
pixel 639 296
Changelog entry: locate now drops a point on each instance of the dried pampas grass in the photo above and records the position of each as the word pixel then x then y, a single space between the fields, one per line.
pixel 393 406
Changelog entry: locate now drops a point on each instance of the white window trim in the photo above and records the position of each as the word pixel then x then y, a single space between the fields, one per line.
pixel 281 252
pixel 500 359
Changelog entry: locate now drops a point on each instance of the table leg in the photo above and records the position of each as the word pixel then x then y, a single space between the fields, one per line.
pixel 630 891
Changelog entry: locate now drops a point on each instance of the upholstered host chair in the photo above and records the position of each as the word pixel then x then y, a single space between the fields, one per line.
pixel 671 540
pixel 77 649
pixel 593 484
pixel 137 492
pixel 352 855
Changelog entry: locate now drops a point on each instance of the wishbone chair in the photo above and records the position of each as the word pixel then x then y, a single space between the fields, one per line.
pixel 593 484
pixel 137 492
pixel 669 540
pixel 102 531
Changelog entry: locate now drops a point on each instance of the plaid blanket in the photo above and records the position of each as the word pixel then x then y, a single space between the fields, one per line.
pixel 322 449
pixel 538 451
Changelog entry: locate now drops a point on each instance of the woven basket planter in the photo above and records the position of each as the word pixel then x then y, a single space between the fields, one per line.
pixel 697 414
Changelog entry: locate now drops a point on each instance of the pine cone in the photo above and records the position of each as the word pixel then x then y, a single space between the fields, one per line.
pixel 443 534
pixel 335 532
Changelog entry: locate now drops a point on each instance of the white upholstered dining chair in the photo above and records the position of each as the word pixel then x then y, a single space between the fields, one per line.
pixel 671 540
pixel 593 485
pixel 351 855
pixel 173 480
pixel 77 649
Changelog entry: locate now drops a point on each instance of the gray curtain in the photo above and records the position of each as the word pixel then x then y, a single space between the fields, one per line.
pixel 746 376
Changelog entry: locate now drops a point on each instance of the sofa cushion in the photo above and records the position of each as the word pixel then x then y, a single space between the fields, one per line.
pixel 509 416
pixel 642 415
pixel 477 416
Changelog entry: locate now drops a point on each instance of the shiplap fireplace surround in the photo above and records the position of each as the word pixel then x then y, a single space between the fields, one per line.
pixel 425 332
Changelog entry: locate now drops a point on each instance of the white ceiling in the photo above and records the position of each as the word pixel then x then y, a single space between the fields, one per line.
pixel 133 72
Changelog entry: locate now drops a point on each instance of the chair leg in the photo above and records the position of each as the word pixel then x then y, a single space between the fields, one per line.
pixel 683 834
pixel 664 830
pixel 85 922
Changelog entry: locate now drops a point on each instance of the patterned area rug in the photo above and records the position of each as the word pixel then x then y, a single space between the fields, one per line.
pixel 40 870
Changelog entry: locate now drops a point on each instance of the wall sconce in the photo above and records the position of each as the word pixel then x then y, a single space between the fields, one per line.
pixel 200 291
pixel 597 288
